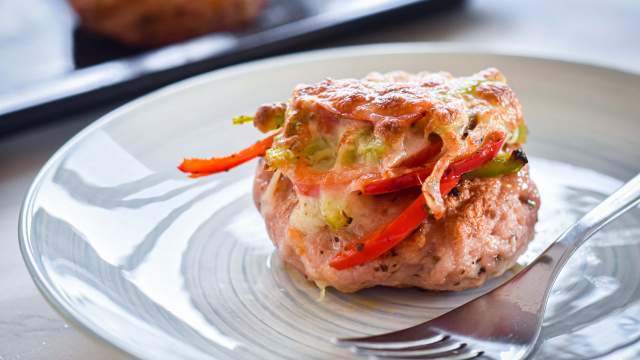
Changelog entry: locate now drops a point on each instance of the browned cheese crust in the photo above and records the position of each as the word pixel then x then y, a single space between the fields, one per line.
pixel 147 23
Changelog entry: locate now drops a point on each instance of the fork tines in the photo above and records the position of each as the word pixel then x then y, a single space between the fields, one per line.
pixel 433 346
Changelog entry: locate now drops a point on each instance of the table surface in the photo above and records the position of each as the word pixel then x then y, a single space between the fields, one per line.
pixel 589 30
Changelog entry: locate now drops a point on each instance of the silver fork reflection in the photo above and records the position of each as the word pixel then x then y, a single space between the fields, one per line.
pixel 504 323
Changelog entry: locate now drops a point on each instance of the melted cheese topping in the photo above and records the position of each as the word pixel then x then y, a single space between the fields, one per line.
pixel 402 111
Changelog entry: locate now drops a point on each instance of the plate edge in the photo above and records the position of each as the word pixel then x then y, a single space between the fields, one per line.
pixel 52 296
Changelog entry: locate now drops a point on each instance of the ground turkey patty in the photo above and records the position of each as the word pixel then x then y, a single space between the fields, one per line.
pixel 395 179
pixel 488 225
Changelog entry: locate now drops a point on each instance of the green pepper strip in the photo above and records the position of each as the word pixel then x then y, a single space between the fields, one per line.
pixel 242 119
pixel 502 164
pixel 522 134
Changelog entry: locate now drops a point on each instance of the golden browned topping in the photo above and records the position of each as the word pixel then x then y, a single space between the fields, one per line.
pixel 339 132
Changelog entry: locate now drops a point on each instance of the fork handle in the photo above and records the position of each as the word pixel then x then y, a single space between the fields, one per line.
pixel 615 205
pixel 530 287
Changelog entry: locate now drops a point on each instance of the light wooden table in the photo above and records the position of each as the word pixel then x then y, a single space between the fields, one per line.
pixel 606 32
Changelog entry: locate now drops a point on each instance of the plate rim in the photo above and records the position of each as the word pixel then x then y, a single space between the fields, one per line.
pixel 53 296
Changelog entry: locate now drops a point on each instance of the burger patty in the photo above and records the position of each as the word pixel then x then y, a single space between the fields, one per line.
pixel 488 224
pixel 395 179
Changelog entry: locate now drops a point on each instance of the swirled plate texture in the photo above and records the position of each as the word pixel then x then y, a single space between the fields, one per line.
pixel 162 266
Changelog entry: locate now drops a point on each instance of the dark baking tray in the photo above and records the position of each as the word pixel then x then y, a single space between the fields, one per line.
pixel 51 68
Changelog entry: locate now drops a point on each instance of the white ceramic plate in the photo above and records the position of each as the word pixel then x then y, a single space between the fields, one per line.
pixel 162 266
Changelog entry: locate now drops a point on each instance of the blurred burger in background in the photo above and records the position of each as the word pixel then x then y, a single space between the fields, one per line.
pixel 150 23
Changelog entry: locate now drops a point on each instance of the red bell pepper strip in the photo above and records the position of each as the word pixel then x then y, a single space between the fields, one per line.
pixel 383 240
pixel 203 167
pixel 396 183
pixel 391 235
pixel 448 182
pixel 492 145
pixel 402 226
pixel 488 150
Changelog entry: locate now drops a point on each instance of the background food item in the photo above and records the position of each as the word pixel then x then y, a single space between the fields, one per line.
pixel 157 22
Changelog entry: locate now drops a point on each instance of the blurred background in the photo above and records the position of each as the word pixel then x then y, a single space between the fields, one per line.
pixel 65 63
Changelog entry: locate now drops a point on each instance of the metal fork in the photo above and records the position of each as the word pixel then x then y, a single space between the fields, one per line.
pixel 504 323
